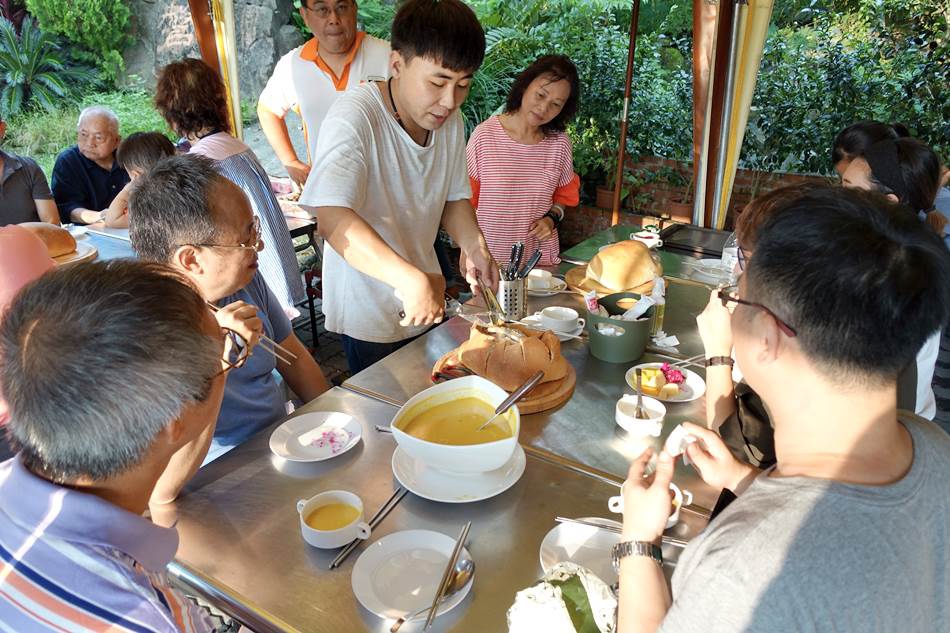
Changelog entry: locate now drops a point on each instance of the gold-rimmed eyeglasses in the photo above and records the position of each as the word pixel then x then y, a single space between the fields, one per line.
pixel 323 11
pixel 253 244
pixel 730 295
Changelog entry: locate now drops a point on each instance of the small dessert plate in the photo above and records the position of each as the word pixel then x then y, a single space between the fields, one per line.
pixel 314 437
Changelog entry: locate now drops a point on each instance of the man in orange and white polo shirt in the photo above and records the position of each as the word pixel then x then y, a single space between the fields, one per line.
pixel 309 78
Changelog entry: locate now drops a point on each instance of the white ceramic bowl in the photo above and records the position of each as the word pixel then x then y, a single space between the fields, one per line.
pixel 625 415
pixel 473 458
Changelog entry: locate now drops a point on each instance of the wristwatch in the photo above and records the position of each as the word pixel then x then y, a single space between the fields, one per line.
pixel 635 548
pixel 720 360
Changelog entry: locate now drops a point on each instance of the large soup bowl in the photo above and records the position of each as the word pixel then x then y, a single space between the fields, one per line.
pixel 468 459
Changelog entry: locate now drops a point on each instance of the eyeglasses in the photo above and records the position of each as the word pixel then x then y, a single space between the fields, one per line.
pixel 728 295
pixel 743 259
pixel 254 244
pixel 235 352
pixel 323 11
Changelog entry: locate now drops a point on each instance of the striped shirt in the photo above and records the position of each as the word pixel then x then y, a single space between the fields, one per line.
pixel 516 185
pixel 278 262
pixel 70 562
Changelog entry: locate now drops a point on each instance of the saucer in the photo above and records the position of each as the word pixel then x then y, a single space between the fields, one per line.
pixel 534 322
pixel 557 285
pixel 436 485
pixel 691 389
pixel 582 545
pixel 400 573
pixel 314 437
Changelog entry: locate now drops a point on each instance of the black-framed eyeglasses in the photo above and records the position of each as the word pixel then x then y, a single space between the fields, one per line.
pixel 728 295
pixel 254 244
pixel 743 259
pixel 235 352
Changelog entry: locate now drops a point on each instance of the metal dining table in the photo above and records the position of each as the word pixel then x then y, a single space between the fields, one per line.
pixel 242 550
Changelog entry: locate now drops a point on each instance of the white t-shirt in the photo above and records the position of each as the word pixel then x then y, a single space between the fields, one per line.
pixel 298 82
pixel 365 161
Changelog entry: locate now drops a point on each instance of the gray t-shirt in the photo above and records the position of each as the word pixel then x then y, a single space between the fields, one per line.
pixel 21 183
pixel 797 554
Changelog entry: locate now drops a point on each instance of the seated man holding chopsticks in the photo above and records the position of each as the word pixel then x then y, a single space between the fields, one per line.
pixel 848 531
pixel 186 214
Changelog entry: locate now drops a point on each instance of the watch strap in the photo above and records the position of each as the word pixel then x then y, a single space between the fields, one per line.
pixel 635 548
pixel 720 360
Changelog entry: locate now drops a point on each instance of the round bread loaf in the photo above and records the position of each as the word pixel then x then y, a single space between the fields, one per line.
pixel 57 239
pixel 509 363
pixel 622 266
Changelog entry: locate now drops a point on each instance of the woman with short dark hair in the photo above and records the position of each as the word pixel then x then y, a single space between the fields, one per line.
pixel 191 98
pixel 521 162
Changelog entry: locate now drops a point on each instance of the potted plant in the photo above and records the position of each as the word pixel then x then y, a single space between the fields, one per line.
pixel 681 207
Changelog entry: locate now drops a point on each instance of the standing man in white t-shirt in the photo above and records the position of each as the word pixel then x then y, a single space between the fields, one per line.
pixel 388 170
pixel 309 78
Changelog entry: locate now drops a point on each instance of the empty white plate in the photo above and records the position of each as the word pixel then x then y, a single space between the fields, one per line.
pixel 436 485
pixel 314 437
pixel 692 388
pixel 582 545
pixel 400 573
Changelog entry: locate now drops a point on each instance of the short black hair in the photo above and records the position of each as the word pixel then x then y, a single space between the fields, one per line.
pixel 444 31
pixel 136 331
pixel 863 282
pixel 170 206
pixel 141 150
pixel 853 140
pixel 906 167
pixel 558 67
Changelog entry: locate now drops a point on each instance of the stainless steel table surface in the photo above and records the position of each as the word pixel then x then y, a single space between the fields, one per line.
pixel 108 247
pixel 241 546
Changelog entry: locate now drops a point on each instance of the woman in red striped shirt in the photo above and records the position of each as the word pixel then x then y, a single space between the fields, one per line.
pixel 520 162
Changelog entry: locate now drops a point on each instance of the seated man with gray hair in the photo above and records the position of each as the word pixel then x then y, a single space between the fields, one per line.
pixel 86 176
pixel 75 551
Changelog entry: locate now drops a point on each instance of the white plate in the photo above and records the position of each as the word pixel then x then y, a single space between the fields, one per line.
pixel 694 386
pixel 400 573
pixel 77 230
pixel 534 322
pixel 85 252
pixel 557 284
pixel 436 485
pixel 314 437
pixel 583 545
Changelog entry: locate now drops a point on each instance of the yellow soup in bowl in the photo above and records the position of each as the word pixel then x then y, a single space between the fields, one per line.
pixel 456 423
pixel 332 516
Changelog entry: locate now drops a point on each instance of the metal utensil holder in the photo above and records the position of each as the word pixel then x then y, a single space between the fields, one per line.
pixel 513 298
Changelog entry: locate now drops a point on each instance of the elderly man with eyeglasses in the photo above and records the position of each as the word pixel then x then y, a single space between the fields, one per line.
pixel 184 213
pixel 309 78
pixel 86 176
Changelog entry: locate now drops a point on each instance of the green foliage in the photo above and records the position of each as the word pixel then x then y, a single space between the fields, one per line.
pixel 33 70
pixel 99 27
pixel 43 134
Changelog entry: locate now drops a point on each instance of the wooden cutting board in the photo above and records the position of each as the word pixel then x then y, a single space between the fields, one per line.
pixel 543 397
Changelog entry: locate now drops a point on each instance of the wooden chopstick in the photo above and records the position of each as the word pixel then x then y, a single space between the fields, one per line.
pixel 447 575
pixel 276 345
pixel 377 518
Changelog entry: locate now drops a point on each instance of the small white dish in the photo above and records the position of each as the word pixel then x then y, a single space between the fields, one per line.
pixel 691 389
pixel 556 286
pixel 400 573
pixel 316 436
pixel 329 539
pixel 436 485
pixel 534 322
pixel 582 545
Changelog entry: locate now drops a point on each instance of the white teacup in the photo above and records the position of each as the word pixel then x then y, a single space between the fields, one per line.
pixel 539 279
pixel 651 239
pixel 328 539
pixel 561 319
pixel 615 504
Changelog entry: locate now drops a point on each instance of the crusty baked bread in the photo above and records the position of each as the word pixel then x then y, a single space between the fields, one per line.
pixel 623 266
pixel 509 363
pixel 57 239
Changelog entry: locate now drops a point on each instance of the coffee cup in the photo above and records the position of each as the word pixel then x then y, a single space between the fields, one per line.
pixel 561 319
pixel 332 519
pixel 539 279
pixel 615 504
pixel 651 239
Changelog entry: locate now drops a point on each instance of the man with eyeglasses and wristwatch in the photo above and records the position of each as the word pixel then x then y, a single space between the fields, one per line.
pixel 86 176
pixel 848 529
pixel 184 213
pixel 309 78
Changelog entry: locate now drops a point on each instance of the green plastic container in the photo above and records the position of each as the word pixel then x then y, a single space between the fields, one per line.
pixel 630 345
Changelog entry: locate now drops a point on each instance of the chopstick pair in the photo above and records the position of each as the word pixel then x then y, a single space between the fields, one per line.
pixel 376 519
pixel 447 575
pixel 692 360
pixel 267 344
pixel 616 530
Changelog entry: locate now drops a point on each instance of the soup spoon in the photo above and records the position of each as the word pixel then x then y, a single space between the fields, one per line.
pixel 464 570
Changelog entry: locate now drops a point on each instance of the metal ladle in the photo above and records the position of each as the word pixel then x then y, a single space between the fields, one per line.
pixel 464 570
